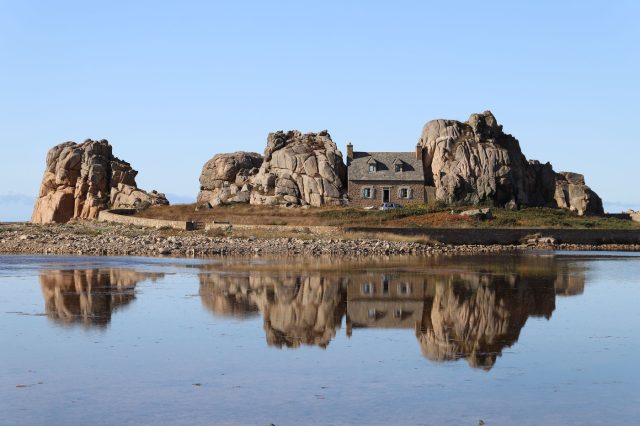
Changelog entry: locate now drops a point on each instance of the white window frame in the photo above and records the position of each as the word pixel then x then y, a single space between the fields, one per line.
pixel 404 285
pixel 372 192
pixel 409 194
pixel 373 168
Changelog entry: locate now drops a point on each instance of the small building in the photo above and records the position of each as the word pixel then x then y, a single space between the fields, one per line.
pixel 385 177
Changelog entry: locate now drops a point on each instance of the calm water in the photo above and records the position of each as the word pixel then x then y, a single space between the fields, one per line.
pixel 533 339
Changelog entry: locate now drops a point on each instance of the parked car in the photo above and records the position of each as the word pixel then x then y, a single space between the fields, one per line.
pixel 389 206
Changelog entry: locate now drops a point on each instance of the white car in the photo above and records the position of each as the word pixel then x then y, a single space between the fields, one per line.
pixel 390 206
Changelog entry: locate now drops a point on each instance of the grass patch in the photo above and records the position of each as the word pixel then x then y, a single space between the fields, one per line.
pixel 414 216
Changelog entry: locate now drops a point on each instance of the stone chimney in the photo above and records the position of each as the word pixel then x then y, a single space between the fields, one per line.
pixel 349 152
pixel 418 152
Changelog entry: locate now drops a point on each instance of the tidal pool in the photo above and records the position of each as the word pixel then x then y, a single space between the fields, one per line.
pixel 540 338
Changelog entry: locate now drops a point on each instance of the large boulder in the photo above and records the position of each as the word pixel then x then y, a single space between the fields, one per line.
pixel 80 180
pixel 475 161
pixel 226 175
pixel 129 197
pixel 572 193
pixel 300 169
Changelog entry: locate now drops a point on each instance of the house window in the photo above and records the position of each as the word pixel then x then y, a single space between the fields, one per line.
pixel 372 313
pixel 372 167
pixel 404 288
pixel 404 192
pixel 398 167
pixel 366 193
pixel 385 286
pixel 367 288
pixel 397 313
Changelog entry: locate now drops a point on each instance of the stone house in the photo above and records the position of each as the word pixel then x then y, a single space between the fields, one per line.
pixel 385 177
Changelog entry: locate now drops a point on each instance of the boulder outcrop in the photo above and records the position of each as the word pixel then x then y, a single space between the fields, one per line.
pixel 80 180
pixel 572 193
pixel 300 169
pixel 297 169
pixel 225 177
pixel 475 161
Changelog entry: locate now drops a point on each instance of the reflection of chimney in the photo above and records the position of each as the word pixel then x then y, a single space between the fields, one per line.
pixel 418 152
pixel 349 326
pixel 349 152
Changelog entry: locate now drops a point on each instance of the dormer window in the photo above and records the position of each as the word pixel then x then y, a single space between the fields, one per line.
pixel 373 165
pixel 397 163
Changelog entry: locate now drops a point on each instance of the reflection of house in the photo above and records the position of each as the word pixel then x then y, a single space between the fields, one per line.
pixel 471 310
pixel 377 177
pixel 385 301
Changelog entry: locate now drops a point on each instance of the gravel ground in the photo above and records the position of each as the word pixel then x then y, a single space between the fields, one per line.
pixel 94 238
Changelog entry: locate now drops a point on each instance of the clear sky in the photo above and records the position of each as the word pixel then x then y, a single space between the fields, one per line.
pixel 170 84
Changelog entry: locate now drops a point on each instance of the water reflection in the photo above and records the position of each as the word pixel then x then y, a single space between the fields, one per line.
pixel 89 296
pixel 297 308
pixel 458 308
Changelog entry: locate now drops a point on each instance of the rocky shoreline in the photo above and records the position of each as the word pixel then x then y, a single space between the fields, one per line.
pixel 92 238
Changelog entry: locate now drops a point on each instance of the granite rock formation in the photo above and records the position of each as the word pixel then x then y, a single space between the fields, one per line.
pixel 475 161
pixel 572 193
pixel 296 170
pixel 300 169
pixel 80 180
pixel 225 178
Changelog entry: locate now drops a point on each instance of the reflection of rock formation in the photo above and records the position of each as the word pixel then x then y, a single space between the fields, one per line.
pixel 469 308
pixel 228 295
pixel 475 317
pixel 89 296
pixel 297 308
pixel 477 312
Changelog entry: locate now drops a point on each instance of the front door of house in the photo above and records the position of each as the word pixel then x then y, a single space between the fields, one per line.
pixel 386 195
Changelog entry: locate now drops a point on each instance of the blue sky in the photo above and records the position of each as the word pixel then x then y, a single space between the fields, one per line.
pixel 170 84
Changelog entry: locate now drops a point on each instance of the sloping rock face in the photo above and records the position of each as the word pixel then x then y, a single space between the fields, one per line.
pixel 300 169
pixel 226 177
pixel 476 161
pixel 80 180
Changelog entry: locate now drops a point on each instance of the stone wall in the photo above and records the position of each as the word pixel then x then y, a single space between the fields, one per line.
pixel 356 200
pixel 488 236
pixel 126 216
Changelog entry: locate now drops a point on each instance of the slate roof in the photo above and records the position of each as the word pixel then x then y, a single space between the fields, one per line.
pixel 385 163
